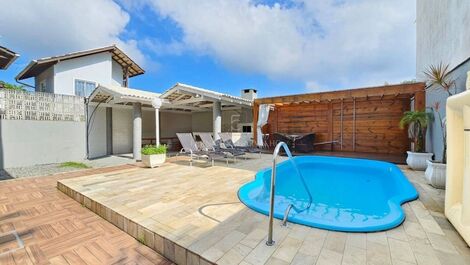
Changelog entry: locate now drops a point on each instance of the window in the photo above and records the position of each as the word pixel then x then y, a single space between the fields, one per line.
pixel 84 88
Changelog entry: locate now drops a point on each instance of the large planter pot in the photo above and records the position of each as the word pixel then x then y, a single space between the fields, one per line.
pixel 436 174
pixel 417 161
pixel 153 160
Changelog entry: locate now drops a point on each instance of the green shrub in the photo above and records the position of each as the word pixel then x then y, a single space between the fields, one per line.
pixel 6 85
pixel 154 150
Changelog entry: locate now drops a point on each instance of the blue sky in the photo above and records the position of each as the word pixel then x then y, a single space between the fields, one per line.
pixel 277 47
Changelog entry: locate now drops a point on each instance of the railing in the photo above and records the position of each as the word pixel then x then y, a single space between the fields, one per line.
pixel 283 145
pixel 20 105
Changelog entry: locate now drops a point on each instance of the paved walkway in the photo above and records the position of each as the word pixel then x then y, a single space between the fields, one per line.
pixel 57 230
pixel 193 216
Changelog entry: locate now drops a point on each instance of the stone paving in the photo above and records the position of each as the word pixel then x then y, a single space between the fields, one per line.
pixel 191 215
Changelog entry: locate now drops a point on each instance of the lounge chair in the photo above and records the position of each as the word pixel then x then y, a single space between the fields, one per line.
pixel 227 141
pixel 211 145
pixel 190 148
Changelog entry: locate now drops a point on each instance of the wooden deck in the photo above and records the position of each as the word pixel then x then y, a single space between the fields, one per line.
pixel 192 215
pixel 57 230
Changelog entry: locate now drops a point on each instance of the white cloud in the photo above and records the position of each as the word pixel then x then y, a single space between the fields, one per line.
pixel 339 43
pixel 52 27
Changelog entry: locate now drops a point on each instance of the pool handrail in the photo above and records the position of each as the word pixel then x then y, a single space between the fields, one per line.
pixel 270 240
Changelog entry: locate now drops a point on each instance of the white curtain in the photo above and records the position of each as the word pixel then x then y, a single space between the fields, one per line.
pixel 263 115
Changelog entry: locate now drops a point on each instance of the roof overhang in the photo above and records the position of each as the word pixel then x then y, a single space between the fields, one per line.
pixel 195 99
pixel 111 94
pixel 36 67
pixel 7 57
pixel 179 98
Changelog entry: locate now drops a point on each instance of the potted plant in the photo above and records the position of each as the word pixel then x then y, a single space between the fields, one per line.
pixel 417 122
pixel 154 156
pixel 436 170
pixel 438 77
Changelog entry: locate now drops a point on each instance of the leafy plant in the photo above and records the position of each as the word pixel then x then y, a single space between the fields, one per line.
pixel 154 150
pixel 74 165
pixel 417 122
pixel 6 85
pixel 439 75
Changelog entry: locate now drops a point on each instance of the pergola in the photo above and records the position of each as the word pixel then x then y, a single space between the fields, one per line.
pixel 7 57
pixel 179 98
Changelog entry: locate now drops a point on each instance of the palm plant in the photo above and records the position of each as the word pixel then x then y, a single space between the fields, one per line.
pixel 417 122
pixel 439 75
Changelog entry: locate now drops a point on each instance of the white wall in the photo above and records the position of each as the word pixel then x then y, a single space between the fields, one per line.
pixel 97 132
pixel 122 130
pixel 96 68
pixel 442 36
pixel 27 142
pixel 172 123
pixel 202 121
pixel 443 33
pixel 117 74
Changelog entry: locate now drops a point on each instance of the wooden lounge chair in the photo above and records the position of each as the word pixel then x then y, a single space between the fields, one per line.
pixel 190 148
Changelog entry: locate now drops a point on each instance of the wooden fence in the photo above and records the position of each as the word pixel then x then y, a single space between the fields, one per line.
pixel 357 120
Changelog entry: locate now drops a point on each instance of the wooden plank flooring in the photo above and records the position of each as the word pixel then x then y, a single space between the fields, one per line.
pixel 192 215
pixel 56 229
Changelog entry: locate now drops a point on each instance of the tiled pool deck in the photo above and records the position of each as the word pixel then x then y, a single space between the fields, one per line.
pixel 192 215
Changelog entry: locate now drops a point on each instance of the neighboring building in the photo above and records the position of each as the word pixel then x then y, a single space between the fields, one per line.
pixel 79 73
pixel 118 119
pixel 442 36
pixel 7 57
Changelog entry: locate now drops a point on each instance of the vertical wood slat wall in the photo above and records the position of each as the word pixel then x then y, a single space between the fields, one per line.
pixel 363 124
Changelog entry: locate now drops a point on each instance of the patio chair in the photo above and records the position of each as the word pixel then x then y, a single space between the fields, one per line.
pixel 305 143
pixel 190 148
pixel 227 141
pixel 280 137
pixel 211 145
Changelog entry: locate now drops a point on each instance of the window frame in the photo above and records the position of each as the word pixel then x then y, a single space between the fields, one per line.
pixel 85 82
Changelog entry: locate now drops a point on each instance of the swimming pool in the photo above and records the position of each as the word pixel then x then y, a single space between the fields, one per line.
pixel 354 195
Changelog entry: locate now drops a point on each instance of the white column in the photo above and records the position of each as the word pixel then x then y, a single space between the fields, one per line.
pixel 217 119
pixel 157 126
pixel 137 131
pixel 157 103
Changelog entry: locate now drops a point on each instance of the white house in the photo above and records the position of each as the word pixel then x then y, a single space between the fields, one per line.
pixel 79 73
pixel 121 119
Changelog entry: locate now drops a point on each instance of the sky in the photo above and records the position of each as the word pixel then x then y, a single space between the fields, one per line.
pixel 277 47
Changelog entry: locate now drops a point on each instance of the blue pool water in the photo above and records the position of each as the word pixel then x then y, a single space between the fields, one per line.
pixel 348 194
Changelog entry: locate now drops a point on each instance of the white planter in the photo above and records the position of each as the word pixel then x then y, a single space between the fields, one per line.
pixel 153 160
pixel 436 174
pixel 417 161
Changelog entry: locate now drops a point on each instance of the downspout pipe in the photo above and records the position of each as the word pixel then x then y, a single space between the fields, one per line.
pixel 25 84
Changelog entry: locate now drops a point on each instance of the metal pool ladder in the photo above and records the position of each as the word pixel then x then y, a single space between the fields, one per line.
pixel 270 240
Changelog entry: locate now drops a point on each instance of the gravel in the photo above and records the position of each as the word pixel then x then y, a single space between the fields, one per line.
pixel 49 169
